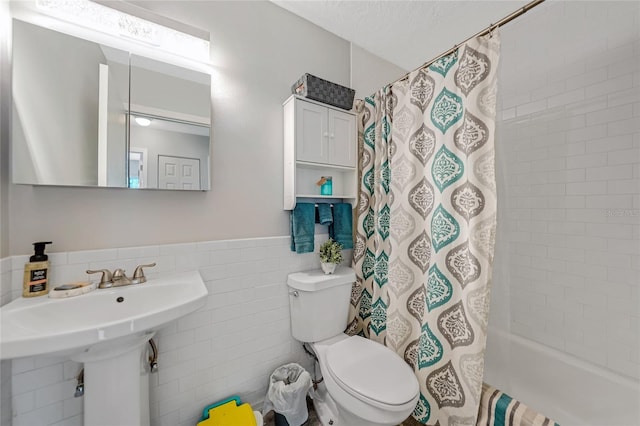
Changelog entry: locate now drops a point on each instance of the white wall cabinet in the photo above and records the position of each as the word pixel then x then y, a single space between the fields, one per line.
pixel 319 140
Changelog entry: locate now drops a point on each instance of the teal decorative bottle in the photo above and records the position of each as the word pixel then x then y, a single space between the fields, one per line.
pixel 327 186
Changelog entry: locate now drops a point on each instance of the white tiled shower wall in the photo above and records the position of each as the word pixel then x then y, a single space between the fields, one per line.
pixel 229 347
pixel 568 164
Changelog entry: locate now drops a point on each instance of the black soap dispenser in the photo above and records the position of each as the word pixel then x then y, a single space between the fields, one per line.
pixel 36 272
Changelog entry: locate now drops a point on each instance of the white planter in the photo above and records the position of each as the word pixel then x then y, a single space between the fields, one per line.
pixel 328 268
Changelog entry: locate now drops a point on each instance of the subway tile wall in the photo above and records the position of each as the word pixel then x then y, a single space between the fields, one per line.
pixel 229 347
pixel 5 392
pixel 5 366
pixel 568 168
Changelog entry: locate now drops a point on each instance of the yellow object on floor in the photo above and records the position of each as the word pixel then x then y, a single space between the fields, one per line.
pixel 230 414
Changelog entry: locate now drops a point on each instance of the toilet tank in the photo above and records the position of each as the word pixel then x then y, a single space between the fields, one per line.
pixel 319 303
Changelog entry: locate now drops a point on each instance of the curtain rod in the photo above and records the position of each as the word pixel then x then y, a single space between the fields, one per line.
pixel 524 9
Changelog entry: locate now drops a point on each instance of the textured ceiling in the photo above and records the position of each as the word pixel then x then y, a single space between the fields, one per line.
pixel 406 33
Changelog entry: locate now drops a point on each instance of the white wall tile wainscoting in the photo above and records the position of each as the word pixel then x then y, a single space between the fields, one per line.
pixel 229 347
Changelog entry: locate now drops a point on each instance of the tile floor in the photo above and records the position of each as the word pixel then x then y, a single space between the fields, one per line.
pixel 269 418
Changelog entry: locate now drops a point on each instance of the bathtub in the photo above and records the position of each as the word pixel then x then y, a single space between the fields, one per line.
pixel 560 386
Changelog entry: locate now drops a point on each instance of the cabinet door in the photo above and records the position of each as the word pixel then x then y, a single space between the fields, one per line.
pixel 342 138
pixel 311 132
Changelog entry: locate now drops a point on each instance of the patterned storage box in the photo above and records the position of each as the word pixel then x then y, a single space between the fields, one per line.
pixel 324 91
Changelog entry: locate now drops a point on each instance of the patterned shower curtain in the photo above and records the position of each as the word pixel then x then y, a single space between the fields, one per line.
pixel 426 219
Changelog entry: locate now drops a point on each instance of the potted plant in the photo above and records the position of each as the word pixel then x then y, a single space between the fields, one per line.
pixel 330 255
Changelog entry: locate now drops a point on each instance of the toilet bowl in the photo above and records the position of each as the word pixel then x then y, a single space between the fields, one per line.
pixel 369 383
pixel 364 383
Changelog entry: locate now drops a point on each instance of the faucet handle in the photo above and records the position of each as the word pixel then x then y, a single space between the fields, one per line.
pixel 138 274
pixel 106 280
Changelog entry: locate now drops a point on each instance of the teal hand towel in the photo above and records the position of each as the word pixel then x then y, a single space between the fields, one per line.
pixel 325 215
pixel 342 228
pixel 302 227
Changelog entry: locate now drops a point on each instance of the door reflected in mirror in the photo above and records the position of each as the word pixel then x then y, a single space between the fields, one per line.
pixel 86 114
pixel 170 125
pixel 168 154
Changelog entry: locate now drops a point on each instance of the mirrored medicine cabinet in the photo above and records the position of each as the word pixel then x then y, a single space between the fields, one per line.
pixel 86 114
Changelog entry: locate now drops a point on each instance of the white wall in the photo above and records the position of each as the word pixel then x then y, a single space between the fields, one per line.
pixel 258 51
pixel 5 108
pixel 567 267
pixel 52 110
pixel 183 90
pixel 116 124
pixel 370 73
pixel 5 89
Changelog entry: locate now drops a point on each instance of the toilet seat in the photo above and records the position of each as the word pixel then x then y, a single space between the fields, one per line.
pixel 371 372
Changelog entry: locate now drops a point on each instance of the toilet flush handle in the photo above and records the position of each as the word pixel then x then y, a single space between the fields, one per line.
pixel 295 293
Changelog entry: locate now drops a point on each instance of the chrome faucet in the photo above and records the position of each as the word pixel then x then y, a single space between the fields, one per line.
pixel 118 278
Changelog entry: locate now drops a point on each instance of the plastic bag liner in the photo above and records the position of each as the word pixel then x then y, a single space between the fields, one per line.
pixel 287 393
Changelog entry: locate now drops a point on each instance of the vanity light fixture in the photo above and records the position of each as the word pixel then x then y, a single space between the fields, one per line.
pixel 113 22
pixel 142 121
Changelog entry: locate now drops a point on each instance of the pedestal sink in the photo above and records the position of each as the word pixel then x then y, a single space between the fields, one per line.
pixel 107 330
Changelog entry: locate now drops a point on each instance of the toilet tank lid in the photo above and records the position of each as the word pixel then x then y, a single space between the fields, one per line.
pixel 317 280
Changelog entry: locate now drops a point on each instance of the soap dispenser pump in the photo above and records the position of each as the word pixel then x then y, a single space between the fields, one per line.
pixel 36 272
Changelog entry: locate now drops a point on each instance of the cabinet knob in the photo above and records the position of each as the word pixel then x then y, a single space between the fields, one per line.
pixel 332 135
pixel 326 134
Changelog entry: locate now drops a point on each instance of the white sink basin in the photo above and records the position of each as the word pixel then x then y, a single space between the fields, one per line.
pixel 38 326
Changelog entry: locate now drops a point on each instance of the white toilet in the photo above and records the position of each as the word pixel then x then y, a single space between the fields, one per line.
pixel 365 383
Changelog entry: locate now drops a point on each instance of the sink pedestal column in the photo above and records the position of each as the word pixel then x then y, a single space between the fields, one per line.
pixel 113 374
